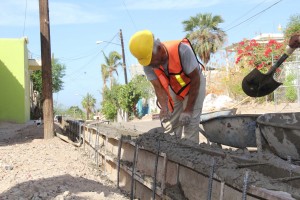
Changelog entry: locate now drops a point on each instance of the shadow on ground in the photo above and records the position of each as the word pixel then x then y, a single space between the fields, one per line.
pixel 16 134
pixel 65 185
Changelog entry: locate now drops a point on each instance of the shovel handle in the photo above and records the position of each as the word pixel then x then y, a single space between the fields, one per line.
pixel 287 53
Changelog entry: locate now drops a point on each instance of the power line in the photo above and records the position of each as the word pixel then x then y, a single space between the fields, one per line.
pixel 82 67
pixel 83 55
pixel 254 15
pixel 70 76
pixel 129 15
pixel 239 18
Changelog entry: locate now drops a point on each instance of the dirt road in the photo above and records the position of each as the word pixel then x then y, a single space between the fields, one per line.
pixel 33 168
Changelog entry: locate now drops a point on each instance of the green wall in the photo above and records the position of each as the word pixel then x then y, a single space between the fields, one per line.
pixel 14 81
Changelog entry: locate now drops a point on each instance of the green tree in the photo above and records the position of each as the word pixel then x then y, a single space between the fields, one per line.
pixel 125 97
pixel 58 72
pixel 293 26
pixel 75 112
pixel 129 95
pixel 110 66
pixel 110 103
pixel 291 91
pixel 204 34
pixel 88 103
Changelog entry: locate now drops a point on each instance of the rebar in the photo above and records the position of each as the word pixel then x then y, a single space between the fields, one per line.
pixel 155 170
pixel 258 141
pixel 210 180
pixel 163 181
pixel 133 171
pixel 96 145
pixel 289 159
pixel 177 177
pixel 245 186
pixel 105 154
pixel 119 160
pixel 222 190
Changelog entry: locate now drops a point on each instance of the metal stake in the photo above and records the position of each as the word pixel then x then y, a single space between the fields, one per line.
pixel 105 155
pixel 119 160
pixel 245 186
pixel 210 180
pixel 96 146
pixel 178 167
pixel 84 138
pixel 90 143
pixel 258 141
pixel 289 159
pixel 163 181
pixel 133 170
pixel 222 190
pixel 155 171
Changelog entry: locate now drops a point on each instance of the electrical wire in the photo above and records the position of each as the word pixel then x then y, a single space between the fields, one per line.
pixel 241 17
pixel 81 56
pixel 129 15
pixel 253 16
pixel 71 76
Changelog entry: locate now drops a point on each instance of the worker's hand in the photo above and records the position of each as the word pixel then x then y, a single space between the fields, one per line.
pixel 294 41
pixel 185 118
pixel 164 115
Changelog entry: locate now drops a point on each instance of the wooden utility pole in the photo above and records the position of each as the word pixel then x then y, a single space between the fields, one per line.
pixel 46 69
pixel 123 56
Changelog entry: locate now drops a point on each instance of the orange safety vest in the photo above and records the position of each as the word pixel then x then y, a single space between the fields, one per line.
pixel 178 81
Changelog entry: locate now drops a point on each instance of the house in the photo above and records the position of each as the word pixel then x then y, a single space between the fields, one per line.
pixel 15 86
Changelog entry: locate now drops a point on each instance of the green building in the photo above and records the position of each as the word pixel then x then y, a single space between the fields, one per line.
pixel 14 80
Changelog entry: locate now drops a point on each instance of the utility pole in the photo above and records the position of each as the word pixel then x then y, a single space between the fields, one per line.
pixel 123 56
pixel 46 69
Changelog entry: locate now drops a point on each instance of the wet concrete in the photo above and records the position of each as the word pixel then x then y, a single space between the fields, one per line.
pixel 266 170
pixel 227 162
pixel 282 132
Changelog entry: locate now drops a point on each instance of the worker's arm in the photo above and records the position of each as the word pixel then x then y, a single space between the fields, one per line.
pixel 187 114
pixel 162 98
pixel 194 90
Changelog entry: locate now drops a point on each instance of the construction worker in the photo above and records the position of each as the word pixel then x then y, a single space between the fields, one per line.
pixel 173 69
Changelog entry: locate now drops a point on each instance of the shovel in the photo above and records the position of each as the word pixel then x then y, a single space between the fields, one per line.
pixel 257 84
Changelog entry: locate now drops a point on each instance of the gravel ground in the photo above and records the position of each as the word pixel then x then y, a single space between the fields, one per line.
pixel 33 168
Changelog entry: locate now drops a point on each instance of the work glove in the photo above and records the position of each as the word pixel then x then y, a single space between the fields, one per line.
pixel 185 118
pixel 164 115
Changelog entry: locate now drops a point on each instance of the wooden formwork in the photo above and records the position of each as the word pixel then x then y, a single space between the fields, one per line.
pixel 147 174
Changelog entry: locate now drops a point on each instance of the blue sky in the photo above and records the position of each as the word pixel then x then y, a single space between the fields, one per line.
pixel 76 25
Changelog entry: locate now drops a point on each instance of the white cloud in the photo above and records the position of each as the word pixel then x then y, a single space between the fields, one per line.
pixel 182 4
pixel 168 4
pixel 84 12
pixel 67 13
pixel 13 13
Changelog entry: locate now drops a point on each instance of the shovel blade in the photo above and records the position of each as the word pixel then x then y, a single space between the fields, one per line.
pixel 257 84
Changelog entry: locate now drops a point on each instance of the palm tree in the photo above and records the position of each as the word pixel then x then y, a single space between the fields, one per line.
pixel 88 103
pixel 110 66
pixel 105 74
pixel 204 34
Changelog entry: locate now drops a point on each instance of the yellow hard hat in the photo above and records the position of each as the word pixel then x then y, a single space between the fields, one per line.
pixel 141 46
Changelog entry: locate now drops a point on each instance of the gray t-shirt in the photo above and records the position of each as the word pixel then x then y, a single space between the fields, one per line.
pixel 188 61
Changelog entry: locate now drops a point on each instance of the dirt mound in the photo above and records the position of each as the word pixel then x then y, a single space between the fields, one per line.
pixel 33 168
